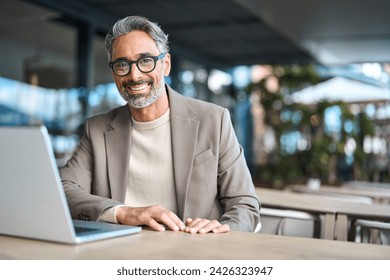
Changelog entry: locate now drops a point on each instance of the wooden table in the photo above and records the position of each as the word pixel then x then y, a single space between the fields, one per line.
pixel 151 245
pixel 338 211
pixel 314 204
pixel 350 212
pixel 367 184
pixel 379 195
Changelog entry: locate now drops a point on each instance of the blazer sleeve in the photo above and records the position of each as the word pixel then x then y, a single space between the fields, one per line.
pixel 77 179
pixel 236 190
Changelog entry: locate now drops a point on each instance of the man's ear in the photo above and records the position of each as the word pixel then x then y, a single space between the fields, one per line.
pixel 167 64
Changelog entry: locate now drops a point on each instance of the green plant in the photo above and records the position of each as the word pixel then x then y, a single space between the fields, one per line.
pixel 325 149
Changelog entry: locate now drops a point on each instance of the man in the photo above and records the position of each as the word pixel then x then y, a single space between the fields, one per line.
pixel 163 160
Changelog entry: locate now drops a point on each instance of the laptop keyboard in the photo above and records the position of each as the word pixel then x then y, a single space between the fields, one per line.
pixel 80 230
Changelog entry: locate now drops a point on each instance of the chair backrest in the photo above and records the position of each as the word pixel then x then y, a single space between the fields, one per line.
pixel 289 222
pixel 349 198
pixel 368 231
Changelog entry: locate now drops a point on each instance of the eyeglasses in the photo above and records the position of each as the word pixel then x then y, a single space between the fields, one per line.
pixel 145 64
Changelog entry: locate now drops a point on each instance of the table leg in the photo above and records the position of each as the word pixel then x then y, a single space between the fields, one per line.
pixel 342 227
pixel 327 230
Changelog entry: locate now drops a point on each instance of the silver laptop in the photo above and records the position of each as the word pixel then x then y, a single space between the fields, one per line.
pixel 32 200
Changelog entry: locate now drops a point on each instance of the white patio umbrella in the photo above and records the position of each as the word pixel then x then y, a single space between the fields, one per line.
pixel 342 89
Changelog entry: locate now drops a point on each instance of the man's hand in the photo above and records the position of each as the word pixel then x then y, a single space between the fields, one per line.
pixel 150 216
pixel 198 225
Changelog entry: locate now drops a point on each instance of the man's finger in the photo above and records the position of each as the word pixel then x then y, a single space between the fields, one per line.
pixel 209 226
pixel 154 225
pixel 200 224
pixel 170 221
pixel 222 229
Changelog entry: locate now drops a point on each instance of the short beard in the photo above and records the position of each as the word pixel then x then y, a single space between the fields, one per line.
pixel 140 101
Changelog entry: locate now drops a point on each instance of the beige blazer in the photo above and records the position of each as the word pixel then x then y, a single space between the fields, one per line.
pixel 210 173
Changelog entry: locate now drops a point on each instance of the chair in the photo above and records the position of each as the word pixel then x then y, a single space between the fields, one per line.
pixel 367 231
pixel 289 223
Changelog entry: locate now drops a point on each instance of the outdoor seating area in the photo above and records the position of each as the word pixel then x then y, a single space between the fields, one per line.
pixel 344 213
pixel 225 131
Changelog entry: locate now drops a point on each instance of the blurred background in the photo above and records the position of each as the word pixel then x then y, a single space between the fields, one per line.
pixel 306 81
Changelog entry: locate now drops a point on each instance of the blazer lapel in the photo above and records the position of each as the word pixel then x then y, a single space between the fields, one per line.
pixel 118 143
pixel 184 130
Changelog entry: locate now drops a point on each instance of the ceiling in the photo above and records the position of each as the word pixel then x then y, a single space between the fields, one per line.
pixel 332 31
pixel 215 33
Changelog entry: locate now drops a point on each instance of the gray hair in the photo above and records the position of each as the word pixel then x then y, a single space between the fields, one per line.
pixel 131 23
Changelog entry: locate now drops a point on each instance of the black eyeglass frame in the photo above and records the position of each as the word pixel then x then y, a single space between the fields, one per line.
pixel 131 62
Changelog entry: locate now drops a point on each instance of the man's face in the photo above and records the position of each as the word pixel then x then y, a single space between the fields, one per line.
pixel 139 89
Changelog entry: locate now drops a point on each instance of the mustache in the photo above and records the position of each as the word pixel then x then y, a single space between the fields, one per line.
pixel 136 83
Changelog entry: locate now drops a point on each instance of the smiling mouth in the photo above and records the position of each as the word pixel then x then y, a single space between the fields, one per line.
pixel 138 88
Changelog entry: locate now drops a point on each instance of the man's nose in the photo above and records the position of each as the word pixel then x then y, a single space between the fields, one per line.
pixel 134 72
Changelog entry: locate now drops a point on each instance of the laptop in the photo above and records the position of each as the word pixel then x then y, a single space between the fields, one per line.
pixel 32 200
